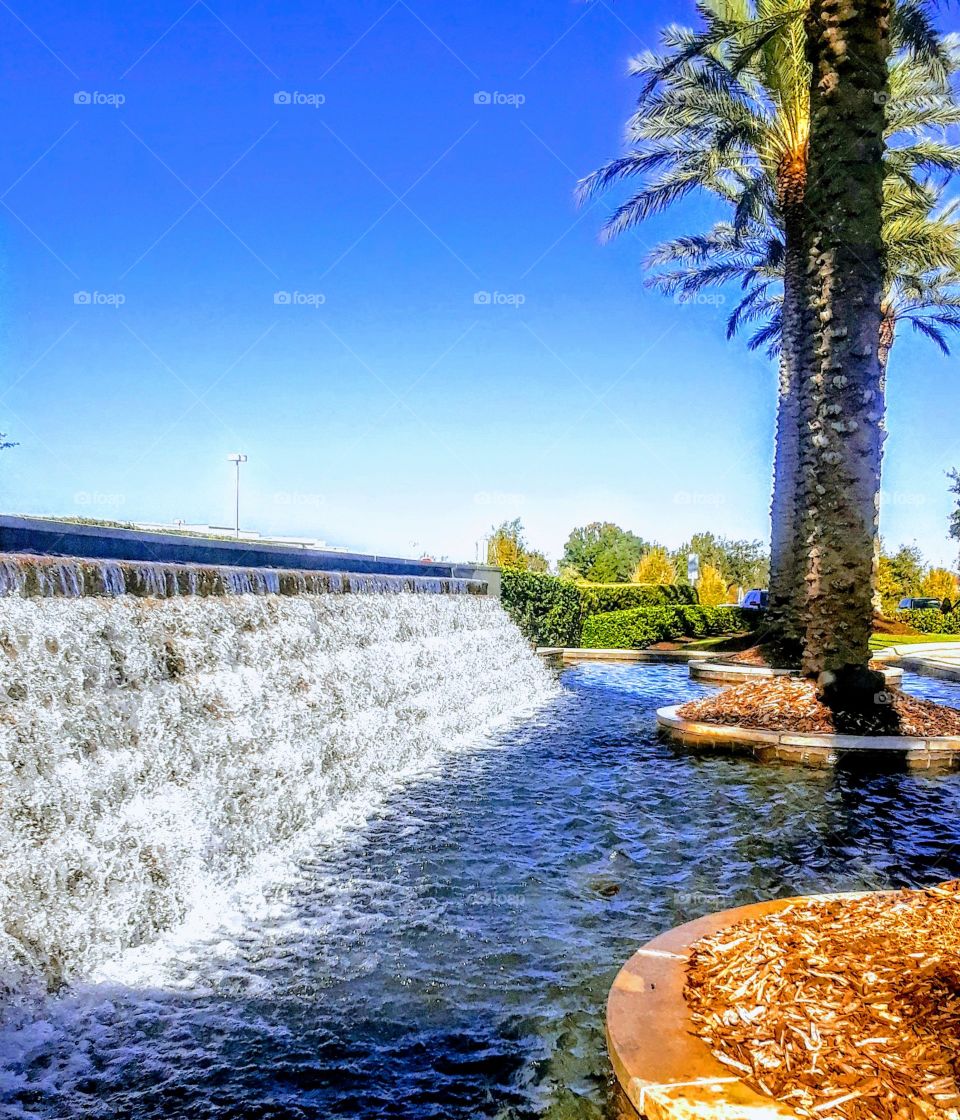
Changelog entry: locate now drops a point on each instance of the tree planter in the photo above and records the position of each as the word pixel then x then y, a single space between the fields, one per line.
pixel 730 672
pixel 819 751
pixel 666 1071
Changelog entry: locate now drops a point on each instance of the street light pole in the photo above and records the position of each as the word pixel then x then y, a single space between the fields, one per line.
pixel 237 458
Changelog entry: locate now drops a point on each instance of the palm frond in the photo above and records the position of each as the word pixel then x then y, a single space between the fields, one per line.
pixel 724 109
pixel 913 28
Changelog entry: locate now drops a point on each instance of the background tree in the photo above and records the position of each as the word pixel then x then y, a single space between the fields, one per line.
pixel 907 569
pixel 888 586
pixel 905 574
pixel 742 563
pixel 900 575
pixel 939 583
pixel 507 548
pixel 712 587
pixel 655 567
pixel 603 552
pixel 954 530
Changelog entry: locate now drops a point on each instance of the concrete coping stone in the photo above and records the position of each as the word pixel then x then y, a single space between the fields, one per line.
pixel 731 672
pixel 667 1071
pixel 921 649
pixel 571 653
pixel 807 748
pixel 703 670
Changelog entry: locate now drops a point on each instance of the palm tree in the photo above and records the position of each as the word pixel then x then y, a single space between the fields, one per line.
pixel 727 111
pixel 841 381
pixel 922 238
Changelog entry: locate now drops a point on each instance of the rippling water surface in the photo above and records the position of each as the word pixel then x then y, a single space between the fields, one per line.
pixel 451 957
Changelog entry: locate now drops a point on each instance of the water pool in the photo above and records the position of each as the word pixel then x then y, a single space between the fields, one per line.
pixel 451 957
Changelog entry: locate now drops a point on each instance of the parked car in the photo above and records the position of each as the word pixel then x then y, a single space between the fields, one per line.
pixel 919 605
pixel 755 600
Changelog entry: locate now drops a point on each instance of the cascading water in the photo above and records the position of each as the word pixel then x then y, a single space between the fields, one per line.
pixel 152 752
pixel 69 578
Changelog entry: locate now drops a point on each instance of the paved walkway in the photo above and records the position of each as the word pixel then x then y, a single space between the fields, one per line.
pixel 935 659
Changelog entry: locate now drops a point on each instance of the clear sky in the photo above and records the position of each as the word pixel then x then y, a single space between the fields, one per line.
pixel 272 229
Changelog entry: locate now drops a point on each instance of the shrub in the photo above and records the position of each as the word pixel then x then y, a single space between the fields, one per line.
pixel 546 609
pixel 600 598
pixel 552 611
pixel 636 629
pixel 932 621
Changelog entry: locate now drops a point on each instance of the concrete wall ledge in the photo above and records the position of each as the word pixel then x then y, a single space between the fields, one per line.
pixel 932 667
pixel 819 751
pixel 655 656
pixel 731 672
pixel 895 653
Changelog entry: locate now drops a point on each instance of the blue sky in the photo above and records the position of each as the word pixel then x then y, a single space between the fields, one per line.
pixel 299 232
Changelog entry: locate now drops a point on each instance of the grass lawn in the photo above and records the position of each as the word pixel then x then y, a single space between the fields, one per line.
pixel 712 643
pixel 882 641
pixel 733 643
pixel 722 643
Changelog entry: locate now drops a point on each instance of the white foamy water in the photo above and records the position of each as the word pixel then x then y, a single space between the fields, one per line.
pixel 153 754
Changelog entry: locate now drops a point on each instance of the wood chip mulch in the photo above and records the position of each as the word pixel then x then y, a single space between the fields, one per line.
pixel 758 656
pixel 840 1008
pixel 752 656
pixel 791 704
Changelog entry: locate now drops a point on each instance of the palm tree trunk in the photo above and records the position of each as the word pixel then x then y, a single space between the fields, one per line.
pixel 842 400
pixel 787 586
pixel 888 329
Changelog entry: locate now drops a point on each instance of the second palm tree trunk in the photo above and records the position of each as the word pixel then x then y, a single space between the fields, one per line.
pixel 787 588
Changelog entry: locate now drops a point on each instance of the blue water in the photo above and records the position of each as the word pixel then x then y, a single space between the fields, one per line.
pixel 451 958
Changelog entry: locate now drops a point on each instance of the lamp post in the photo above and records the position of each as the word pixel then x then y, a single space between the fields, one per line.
pixel 237 458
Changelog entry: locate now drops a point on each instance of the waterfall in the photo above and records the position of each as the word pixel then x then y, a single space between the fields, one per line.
pixel 151 750
pixel 70 578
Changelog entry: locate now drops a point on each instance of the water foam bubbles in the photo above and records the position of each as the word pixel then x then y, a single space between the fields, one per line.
pixel 153 753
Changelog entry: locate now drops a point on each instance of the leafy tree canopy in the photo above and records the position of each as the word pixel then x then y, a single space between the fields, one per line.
pixel 742 563
pixel 656 567
pixel 712 587
pixel 905 573
pixel 603 552
pixel 954 532
pixel 507 548
pixel 939 583
pixel 907 568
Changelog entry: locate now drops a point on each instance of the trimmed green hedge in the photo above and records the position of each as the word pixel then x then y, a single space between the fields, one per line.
pixel 644 626
pixel 552 611
pixel 600 598
pixel 931 622
pixel 546 609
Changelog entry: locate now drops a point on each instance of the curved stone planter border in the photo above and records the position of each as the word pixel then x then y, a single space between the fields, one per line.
pixel 666 1071
pixel 820 751
pixel 721 672
pixel 730 672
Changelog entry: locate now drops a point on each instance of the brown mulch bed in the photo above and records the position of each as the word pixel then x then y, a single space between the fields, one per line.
pixel 840 1009
pixel 892 626
pixel 791 704
pixel 752 656
pixel 759 656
